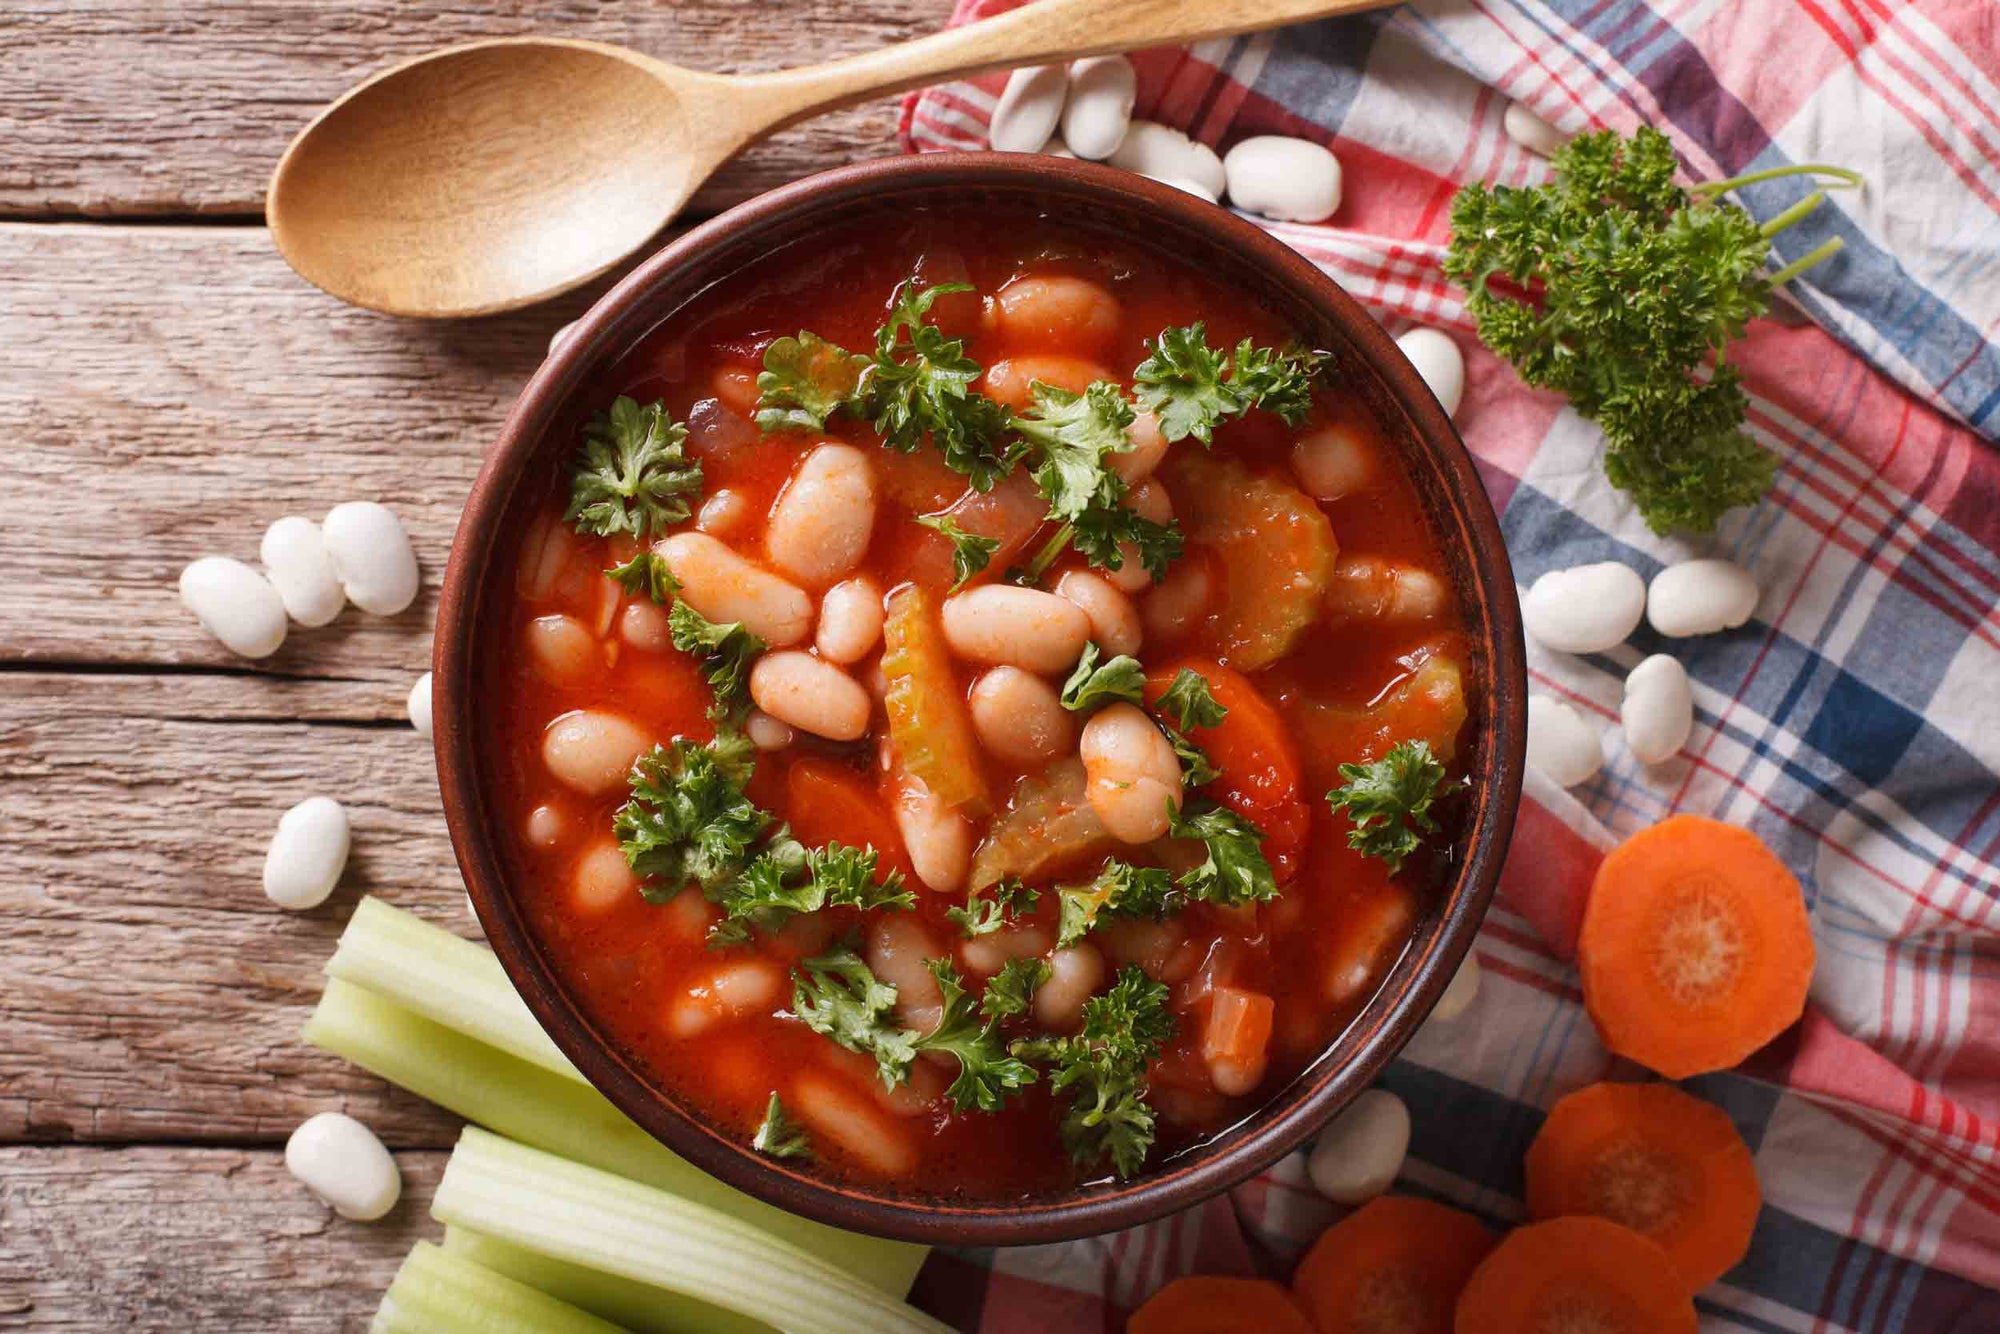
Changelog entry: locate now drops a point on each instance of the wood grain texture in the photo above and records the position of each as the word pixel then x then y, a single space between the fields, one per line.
pixel 168 1240
pixel 152 992
pixel 175 107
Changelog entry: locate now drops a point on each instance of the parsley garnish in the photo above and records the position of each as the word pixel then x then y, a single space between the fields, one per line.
pixel 836 995
pixel 728 650
pixel 1012 989
pixel 1119 890
pixel 1389 801
pixel 1196 768
pixel 1190 702
pixel 970 552
pixel 646 573
pixel 778 1136
pixel 1632 284
pixel 1102 1070
pixel 981 916
pixel 687 821
pixel 768 893
pixel 804 381
pixel 1192 388
pixel 1092 685
pixel 1235 871
pixel 632 473
pixel 920 385
pixel 987 1072
pixel 1074 432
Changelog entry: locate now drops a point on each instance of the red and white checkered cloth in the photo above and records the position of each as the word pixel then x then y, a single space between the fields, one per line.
pixel 1854 723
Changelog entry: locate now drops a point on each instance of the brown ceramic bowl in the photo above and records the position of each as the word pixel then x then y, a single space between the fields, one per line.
pixel 1198 233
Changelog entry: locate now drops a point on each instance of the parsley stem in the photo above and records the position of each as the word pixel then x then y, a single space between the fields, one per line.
pixel 1843 179
pixel 1795 213
pixel 1823 251
pixel 1050 550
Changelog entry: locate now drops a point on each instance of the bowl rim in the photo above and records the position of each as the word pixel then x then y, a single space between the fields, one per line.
pixel 607 330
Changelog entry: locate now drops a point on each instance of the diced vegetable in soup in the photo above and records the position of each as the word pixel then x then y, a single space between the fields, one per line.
pixel 983 736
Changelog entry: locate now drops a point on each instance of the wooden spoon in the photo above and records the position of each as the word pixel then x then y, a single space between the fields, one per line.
pixel 489 176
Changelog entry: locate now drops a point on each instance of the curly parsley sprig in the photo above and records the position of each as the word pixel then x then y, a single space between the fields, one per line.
pixel 1389 801
pixel 632 474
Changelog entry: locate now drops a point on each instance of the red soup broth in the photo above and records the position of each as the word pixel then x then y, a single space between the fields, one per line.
pixel 1385 659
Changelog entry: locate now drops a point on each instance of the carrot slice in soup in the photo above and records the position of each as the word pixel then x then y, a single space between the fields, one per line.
pixel 928 718
pixel 1393 1266
pixel 1695 949
pixel 827 802
pixel 1220 1306
pixel 1252 750
pixel 1575 1274
pixel 1667 1165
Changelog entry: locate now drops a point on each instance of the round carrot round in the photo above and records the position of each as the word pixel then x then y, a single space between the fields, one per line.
pixel 1393 1266
pixel 1695 949
pixel 1206 1305
pixel 1667 1165
pixel 828 802
pixel 1575 1274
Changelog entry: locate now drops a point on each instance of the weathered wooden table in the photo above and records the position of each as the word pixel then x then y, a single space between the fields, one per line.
pixel 167 388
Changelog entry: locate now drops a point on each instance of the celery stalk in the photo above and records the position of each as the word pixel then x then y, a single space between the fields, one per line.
pixel 530 1104
pixel 439 1293
pixel 641 1308
pixel 446 978
pixel 592 1218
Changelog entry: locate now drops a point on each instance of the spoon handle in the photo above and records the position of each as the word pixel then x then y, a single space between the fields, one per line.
pixel 1042 33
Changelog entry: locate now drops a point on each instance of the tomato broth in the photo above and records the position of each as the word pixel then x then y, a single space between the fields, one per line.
pixel 1329 640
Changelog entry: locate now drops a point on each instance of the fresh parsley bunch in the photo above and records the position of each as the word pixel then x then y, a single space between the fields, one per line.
pixel 632 473
pixel 1623 292
pixel 1389 801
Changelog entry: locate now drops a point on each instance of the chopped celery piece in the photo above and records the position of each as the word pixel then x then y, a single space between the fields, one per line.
pixel 592 1218
pixel 552 1112
pixel 436 1292
pixel 639 1307
pixel 442 977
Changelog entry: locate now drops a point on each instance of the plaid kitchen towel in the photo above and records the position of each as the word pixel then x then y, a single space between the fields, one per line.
pixel 1854 723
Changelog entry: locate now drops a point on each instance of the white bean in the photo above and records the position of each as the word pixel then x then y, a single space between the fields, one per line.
pixel 1362 1149
pixel 1186 186
pixel 342 1162
pixel 724 587
pixel 1658 711
pixel 766 732
pixel 1132 775
pixel 1179 601
pixel 307 854
pixel 1149 500
pixel 1700 597
pixel 601 879
pixel 562 332
pixel 1370 588
pixel 1439 362
pixel 1586 608
pixel 371 554
pixel 419 705
pixel 235 604
pixel 723 513
pixel 561 647
pixel 546 827
pixel 1102 90
pixel 814 696
pixel 1028 109
pixel 822 522
pixel 1055 147
pixel 1165 154
pixel 645 625
pixel 898 946
pixel 296 563
pixel 1022 627
pixel 1057 312
pixel 853 1124
pixel 592 751
pixel 850 620
pixel 938 839
pixel 1561 743
pixel 1138 463
pixel 1114 618
pixel 1291 180
pixel 731 991
pixel 1531 132
pixel 988 954
pixel 1334 461
pixel 1020 717
pixel 1459 993
pixel 1075 974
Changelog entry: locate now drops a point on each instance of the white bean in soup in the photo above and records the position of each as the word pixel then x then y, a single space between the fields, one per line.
pixel 821 525
pixel 850 621
pixel 591 751
pixel 1020 717
pixel 1133 774
pixel 1021 627
pixel 811 695
pixel 725 587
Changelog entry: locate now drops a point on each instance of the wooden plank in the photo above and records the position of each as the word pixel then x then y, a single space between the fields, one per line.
pixel 166 1240
pixel 166 392
pixel 186 105
pixel 151 991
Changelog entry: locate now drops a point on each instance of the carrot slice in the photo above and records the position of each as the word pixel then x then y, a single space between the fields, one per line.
pixel 1667 1165
pixel 1393 1266
pixel 1695 949
pixel 929 722
pixel 1238 1027
pixel 1575 1274
pixel 1206 1305
pixel 1252 750
pixel 1275 547
pixel 827 802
